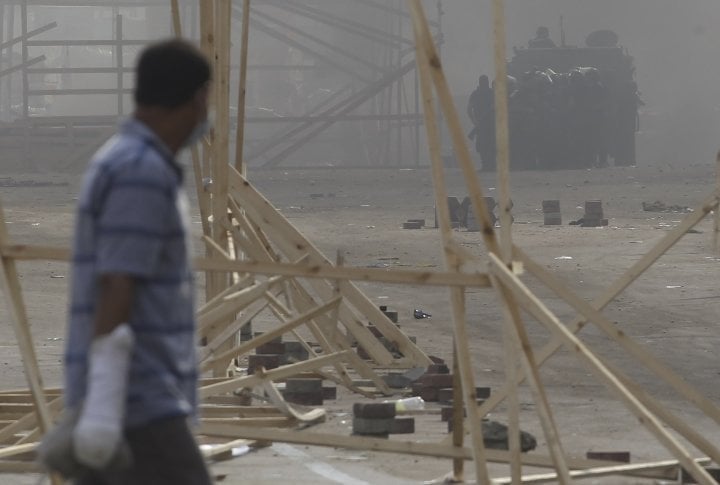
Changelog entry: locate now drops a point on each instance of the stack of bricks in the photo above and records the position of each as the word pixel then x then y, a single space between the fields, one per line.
pixel 379 420
pixel 295 352
pixel 305 391
pixel 446 412
pixel 270 355
pixel 436 377
pixel 551 213
pixel 594 214
pixel 391 346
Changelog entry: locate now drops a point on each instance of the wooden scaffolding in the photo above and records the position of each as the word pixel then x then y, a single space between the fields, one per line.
pixel 256 259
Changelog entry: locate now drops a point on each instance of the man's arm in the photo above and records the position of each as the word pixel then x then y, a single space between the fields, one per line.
pixel 114 303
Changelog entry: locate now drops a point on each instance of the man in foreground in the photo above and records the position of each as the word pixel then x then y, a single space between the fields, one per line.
pixel 131 373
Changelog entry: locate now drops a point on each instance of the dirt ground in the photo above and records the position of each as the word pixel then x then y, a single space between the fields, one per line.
pixel 672 310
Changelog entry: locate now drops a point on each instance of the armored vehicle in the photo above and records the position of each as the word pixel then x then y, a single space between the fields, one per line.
pixel 573 107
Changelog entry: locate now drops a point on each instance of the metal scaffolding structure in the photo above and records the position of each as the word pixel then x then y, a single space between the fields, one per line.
pixel 340 89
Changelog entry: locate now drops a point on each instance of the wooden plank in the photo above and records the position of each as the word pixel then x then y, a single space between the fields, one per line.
pixel 21 326
pixel 17 466
pixel 264 421
pixel 234 303
pixel 716 216
pixel 617 335
pixel 294 244
pixel 695 438
pixel 452 262
pixel 630 275
pixel 668 469
pixel 272 334
pixel 213 345
pixel 283 371
pixel 323 271
pixel 316 415
pixel 433 450
pixel 242 89
pixel 519 333
pixel 645 417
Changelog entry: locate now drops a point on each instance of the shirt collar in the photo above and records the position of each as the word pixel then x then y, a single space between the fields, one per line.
pixel 134 127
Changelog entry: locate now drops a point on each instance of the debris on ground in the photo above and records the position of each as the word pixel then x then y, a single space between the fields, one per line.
pixel 420 314
pixel 658 206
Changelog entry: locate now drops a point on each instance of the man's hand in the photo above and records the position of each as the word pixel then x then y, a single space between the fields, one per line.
pixel 98 434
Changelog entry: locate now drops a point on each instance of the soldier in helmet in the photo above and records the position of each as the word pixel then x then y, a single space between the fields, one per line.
pixel 542 39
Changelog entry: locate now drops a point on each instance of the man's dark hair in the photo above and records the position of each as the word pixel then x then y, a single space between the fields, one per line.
pixel 169 74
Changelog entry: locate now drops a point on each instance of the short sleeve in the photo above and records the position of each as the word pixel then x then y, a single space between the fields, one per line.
pixel 134 222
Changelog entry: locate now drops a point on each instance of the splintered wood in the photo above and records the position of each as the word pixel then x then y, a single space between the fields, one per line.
pixel 258 264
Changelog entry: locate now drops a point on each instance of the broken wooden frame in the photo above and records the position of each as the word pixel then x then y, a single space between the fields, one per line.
pixel 249 237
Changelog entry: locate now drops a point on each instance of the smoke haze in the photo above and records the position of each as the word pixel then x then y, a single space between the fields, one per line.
pixel 676 46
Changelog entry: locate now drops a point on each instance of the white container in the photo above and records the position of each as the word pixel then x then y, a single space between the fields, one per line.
pixel 415 403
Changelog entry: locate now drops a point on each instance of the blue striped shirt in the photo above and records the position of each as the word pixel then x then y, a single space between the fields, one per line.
pixel 132 218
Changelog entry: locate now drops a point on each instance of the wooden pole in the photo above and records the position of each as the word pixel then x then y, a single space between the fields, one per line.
pixel 242 90
pixel 452 262
pixel 630 275
pixel 716 218
pixel 501 131
pixel 644 416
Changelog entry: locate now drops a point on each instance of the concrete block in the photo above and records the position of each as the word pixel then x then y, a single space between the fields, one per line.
pixel 271 348
pixel 593 209
pixel 329 393
pixel 419 221
pixel 415 373
pixel 412 225
pixel 304 398
pixel 395 380
pixel 447 412
pixel 303 385
pixel 389 345
pixel 403 426
pixel 445 394
pixel 268 361
pixel 392 315
pixel 294 351
pixel 246 329
pixel 685 477
pixel 437 381
pixel 619 456
pixel 438 369
pixel 372 427
pixel 374 410
pixel 362 353
pixel 429 394
pixel 482 392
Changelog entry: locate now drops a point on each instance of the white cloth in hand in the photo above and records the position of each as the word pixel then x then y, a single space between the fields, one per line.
pixel 98 434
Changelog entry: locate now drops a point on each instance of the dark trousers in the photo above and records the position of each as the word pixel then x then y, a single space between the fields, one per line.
pixel 164 453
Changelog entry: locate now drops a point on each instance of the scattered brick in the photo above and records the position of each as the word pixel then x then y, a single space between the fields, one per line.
pixel 303 385
pixel 437 381
pixel 329 393
pixel 372 427
pixel 268 361
pixel 438 369
pixel 619 456
pixel 374 410
pixel 304 398
pixel 403 426
pixel 271 348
